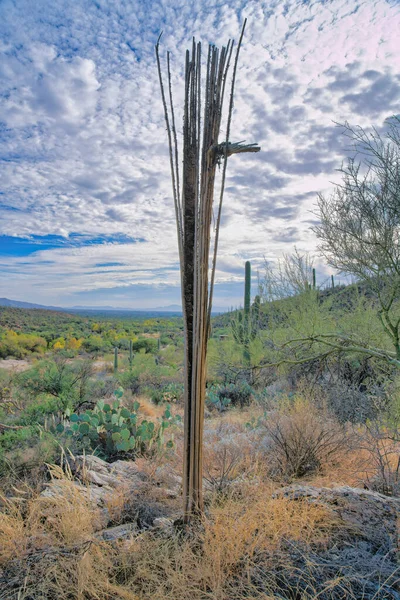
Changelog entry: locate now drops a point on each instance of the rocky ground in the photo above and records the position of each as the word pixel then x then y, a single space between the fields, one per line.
pixel 363 551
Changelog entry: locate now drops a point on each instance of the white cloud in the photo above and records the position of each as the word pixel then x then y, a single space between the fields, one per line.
pixel 84 142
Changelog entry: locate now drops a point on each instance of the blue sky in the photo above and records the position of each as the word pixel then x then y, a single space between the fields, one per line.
pixel 86 214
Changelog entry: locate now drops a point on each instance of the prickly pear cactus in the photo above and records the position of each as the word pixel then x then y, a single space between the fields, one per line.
pixel 116 429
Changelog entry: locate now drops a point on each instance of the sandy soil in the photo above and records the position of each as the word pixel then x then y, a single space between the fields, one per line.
pixel 12 364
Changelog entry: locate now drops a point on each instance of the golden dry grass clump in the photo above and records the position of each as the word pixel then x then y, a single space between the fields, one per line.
pixel 250 544
pixel 48 548
pixel 216 562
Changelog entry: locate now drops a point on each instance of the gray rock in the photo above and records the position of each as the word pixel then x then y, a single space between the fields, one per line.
pixel 120 532
pixel 362 554
pixel 367 515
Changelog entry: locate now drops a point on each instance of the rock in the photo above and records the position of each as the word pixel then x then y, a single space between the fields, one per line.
pixel 364 550
pixel 369 515
pixel 118 491
pixel 164 526
pixel 120 532
pixel 172 494
pixel 98 481
pixel 92 469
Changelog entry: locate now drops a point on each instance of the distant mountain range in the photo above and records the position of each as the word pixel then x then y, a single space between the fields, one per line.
pixel 18 304
pixel 176 308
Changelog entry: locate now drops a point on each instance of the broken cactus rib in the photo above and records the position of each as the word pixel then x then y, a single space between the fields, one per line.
pixel 224 149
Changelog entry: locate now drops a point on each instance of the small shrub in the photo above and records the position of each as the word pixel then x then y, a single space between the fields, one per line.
pixel 235 394
pixel 230 456
pixel 351 404
pixel 22 450
pixel 301 439
pixel 38 409
pixel 58 378
pixel 171 392
pixel 129 381
pixel 146 345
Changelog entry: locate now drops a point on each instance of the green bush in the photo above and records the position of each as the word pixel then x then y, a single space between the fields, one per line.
pixel 68 382
pixel 129 381
pixel 170 392
pixel 95 343
pixel 24 449
pixel 36 412
pixel 19 345
pixel 149 345
pixel 235 394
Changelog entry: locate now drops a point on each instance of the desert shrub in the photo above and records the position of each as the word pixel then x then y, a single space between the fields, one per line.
pixel 301 439
pixel 20 345
pixel 170 392
pixel 150 373
pixel 381 445
pixel 378 440
pixel 9 399
pixel 100 388
pixel 351 404
pixel 129 381
pixel 236 394
pixel 230 455
pixel 148 345
pixel 122 343
pixel 113 429
pixel 68 382
pixel 22 450
pixel 38 409
pixel 96 344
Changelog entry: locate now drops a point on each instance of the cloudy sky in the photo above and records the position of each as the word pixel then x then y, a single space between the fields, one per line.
pixel 86 214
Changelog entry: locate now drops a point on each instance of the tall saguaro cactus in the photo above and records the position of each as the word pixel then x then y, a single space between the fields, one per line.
pixel 130 354
pixel 247 288
pixel 202 153
pixel 245 325
pixel 115 359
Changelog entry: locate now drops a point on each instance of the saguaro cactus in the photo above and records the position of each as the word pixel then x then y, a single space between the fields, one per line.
pixel 115 359
pixel 202 153
pixel 130 353
pixel 247 287
pixel 245 325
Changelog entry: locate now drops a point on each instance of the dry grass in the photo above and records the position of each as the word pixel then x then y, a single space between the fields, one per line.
pixel 249 545
pixel 49 550
pixel 217 560
pixel 147 407
pixel 301 439
pixel 230 456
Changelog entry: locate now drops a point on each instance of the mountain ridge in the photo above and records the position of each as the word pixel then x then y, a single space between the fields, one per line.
pixel 170 308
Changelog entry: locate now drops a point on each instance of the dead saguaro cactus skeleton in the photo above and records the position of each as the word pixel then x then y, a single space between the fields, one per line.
pixel 202 153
